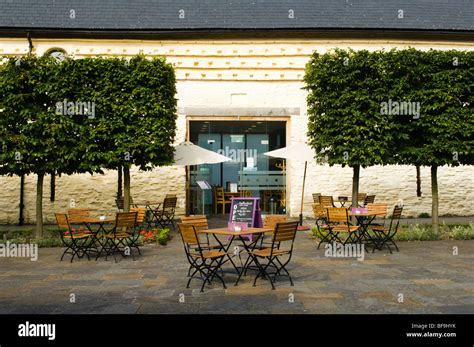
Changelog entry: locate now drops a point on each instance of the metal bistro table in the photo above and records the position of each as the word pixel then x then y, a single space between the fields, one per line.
pixel 99 223
pixel 364 219
pixel 151 208
pixel 248 245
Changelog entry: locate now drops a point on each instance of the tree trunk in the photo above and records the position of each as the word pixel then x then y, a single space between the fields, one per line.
pixel 119 183
pixel 355 189
pixel 39 206
pixel 355 185
pixel 418 181
pixel 126 189
pixel 53 187
pixel 21 219
pixel 434 197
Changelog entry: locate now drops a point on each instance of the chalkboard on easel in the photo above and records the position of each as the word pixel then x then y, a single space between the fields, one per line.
pixel 244 210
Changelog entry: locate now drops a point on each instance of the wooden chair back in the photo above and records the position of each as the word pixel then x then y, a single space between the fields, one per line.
pixel 169 204
pixel 285 231
pixel 316 197
pixel 126 220
pixel 395 219
pixel 369 199
pixel 338 215
pixel 377 208
pixel 199 222
pixel 272 220
pixel 326 200
pixel 188 234
pixel 141 213
pixel 62 221
pixel 319 211
pixel 78 215
pixel 219 195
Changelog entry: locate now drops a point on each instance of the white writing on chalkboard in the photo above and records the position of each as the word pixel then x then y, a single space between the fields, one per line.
pixel 243 211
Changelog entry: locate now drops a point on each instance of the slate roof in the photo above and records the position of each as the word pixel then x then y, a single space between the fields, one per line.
pixel 212 15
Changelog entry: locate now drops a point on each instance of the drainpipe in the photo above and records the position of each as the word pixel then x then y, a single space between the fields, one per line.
pixel 30 42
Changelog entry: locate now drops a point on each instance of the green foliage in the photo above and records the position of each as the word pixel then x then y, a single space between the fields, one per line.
pixel 424 232
pixel 321 233
pixel 443 83
pixel 346 122
pixel 163 236
pixel 22 233
pixel 45 242
pixel 462 232
pixel 33 139
pixel 424 215
pixel 417 232
pixel 135 109
pixel 134 122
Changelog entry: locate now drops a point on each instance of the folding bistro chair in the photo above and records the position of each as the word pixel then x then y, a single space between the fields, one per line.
pixel 316 197
pixel 369 199
pixel 326 200
pixel 321 216
pixel 142 223
pixel 120 203
pixel 204 262
pixel 76 243
pixel 200 223
pixel 269 222
pixel 384 234
pixel 360 197
pixel 338 223
pixel 123 230
pixel 165 215
pixel 220 199
pixel 380 210
pixel 78 215
pixel 269 258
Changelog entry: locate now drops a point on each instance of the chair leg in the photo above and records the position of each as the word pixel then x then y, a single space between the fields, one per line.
pixel 283 267
pixel 66 251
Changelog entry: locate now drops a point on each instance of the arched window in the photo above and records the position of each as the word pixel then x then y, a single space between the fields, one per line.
pixel 58 53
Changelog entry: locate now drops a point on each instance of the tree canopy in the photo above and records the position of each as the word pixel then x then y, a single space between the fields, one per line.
pixel 397 107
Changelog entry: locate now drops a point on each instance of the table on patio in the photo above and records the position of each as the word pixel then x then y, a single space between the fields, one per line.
pixel 99 223
pixel 248 244
pixel 364 219
pixel 151 207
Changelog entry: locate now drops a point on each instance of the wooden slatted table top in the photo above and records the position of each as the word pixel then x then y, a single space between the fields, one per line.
pixel 225 231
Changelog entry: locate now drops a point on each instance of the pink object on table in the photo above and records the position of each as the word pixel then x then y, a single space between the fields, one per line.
pixel 359 210
pixel 232 226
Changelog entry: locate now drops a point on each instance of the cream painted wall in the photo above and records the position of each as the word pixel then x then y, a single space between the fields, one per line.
pixel 233 74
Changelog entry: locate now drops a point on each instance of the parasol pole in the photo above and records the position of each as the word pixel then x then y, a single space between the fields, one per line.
pixel 302 193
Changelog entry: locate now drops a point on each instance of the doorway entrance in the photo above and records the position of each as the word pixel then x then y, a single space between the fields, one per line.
pixel 248 173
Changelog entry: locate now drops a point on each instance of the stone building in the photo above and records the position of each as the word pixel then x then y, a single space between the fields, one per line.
pixel 239 67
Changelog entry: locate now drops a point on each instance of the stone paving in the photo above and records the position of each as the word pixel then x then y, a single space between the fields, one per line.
pixel 427 274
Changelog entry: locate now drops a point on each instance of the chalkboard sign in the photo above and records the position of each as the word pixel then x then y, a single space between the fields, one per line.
pixel 245 210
